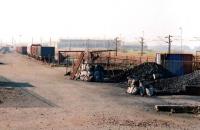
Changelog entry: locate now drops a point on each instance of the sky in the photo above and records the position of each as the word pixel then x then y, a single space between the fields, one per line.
pixel 41 19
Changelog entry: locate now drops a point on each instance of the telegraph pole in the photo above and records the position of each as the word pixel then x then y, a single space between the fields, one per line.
pixel 142 45
pixel 116 45
pixel 169 43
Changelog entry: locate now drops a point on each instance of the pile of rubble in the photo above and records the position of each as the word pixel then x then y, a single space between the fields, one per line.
pixel 177 84
pixel 143 71
pixel 150 78
pixel 148 69
pixel 142 78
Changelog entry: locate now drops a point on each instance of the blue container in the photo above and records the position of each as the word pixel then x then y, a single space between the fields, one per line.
pixel 178 64
pixel 46 52
pixel 173 63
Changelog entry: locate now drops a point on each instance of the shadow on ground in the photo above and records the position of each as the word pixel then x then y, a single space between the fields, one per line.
pixel 1 63
pixel 14 85
pixel 17 94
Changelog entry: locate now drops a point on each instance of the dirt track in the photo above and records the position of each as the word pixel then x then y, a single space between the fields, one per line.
pixel 40 97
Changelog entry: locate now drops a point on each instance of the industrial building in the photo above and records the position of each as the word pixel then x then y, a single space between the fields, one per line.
pixel 84 44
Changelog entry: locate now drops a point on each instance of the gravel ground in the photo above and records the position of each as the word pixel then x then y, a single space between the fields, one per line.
pixel 36 96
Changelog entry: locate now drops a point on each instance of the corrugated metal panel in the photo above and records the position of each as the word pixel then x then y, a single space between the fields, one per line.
pixel 178 64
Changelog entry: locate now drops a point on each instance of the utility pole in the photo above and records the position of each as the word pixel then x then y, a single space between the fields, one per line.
pixel 142 45
pixel 169 43
pixel 116 45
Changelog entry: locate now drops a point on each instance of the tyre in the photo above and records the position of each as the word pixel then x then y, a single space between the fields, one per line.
pixel 150 91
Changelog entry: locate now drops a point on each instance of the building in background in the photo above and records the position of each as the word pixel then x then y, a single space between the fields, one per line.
pixel 85 44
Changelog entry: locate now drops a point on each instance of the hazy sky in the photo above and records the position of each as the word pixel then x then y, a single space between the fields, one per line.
pixel 98 18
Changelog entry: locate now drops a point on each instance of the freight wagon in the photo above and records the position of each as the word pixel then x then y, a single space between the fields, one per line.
pixel 42 53
pixel 46 53
pixel 34 50
pixel 22 50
